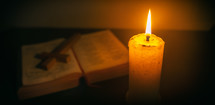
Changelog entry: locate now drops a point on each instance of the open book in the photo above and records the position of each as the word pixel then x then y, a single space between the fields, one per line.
pixel 97 56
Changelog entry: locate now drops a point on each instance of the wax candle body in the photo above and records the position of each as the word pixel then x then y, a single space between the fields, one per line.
pixel 145 63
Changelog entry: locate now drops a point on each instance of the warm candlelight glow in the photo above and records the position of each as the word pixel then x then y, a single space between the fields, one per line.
pixel 145 64
pixel 148 26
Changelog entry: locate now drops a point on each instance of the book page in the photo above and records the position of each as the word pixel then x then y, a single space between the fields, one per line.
pixel 32 75
pixel 100 50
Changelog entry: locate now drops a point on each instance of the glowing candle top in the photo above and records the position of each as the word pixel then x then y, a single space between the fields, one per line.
pixel 147 38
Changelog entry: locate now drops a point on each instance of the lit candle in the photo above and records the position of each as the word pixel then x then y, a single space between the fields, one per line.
pixel 145 63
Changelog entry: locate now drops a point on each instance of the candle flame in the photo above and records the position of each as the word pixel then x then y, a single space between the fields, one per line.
pixel 148 26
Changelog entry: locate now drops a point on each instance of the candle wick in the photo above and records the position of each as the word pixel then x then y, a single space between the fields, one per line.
pixel 147 38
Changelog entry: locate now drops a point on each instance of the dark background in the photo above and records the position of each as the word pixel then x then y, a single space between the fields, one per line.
pixel 123 14
pixel 187 27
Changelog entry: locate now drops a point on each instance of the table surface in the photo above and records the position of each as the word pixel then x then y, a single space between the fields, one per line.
pixel 187 73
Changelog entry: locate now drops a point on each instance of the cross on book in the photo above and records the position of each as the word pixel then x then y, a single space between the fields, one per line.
pixel 50 59
pixel 96 57
pixel 58 54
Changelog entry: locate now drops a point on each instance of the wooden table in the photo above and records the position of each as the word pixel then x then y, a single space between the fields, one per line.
pixel 187 74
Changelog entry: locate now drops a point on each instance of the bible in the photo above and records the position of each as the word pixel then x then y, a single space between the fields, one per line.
pixel 97 57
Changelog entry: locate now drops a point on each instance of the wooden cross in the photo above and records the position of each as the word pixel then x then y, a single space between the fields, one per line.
pixel 58 54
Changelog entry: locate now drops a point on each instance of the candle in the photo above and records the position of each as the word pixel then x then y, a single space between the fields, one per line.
pixel 145 63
